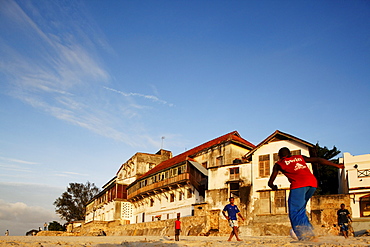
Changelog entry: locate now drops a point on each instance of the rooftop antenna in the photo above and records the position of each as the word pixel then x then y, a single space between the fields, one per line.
pixel 162 142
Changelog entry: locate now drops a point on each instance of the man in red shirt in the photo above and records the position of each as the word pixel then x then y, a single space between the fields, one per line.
pixel 177 228
pixel 302 186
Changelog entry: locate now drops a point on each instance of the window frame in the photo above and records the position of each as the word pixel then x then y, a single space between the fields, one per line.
pixel 264 197
pixel 234 173
pixel 264 165
pixel 280 201
pixel 220 161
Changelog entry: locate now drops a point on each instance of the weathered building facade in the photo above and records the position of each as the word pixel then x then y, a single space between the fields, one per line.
pixel 177 185
pixel 111 203
pixel 246 180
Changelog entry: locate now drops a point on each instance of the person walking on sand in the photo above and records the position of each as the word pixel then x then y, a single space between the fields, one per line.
pixel 302 186
pixel 7 233
pixel 344 217
pixel 177 228
pixel 232 212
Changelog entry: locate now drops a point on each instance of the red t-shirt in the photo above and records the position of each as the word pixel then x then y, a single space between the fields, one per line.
pixel 177 224
pixel 297 172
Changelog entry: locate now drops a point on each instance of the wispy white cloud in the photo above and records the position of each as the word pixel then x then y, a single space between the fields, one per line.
pixel 80 115
pixel 15 165
pixel 5 167
pixel 61 62
pixel 18 161
pixel 59 77
pixel 150 97
pixel 71 174
pixel 61 73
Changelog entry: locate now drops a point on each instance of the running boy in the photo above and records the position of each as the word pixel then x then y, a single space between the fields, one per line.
pixel 232 212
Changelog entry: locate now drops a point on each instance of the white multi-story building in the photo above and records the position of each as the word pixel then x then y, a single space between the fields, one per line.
pixel 261 160
pixel 355 180
pixel 176 185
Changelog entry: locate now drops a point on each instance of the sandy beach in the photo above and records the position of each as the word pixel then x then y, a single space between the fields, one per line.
pixel 158 241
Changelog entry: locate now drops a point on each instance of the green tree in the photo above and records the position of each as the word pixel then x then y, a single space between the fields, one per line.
pixel 56 226
pixel 71 204
pixel 327 176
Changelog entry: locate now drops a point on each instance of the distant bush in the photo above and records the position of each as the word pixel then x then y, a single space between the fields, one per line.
pixel 56 226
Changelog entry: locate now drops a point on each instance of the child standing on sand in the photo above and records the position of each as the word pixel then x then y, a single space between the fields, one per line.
pixel 177 228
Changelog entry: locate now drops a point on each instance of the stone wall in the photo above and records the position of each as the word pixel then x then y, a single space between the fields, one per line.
pixel 324 212
pixel 267 225
pixel 207 221
pixel 323 217
pixel 193 225
pixel 57 233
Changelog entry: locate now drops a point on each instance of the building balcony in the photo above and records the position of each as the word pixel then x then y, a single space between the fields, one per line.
pixel 160 185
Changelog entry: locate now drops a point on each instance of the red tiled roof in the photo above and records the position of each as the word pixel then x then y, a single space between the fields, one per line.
pixel 232 136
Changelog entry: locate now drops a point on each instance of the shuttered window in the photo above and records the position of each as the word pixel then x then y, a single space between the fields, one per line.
pixel 264 165
pixel 265 203
pixel 280 201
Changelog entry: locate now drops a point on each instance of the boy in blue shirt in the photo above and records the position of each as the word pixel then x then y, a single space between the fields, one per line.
pixel 232 212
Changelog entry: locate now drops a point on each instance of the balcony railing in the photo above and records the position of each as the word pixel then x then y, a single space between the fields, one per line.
pixel 160 184
pixel 363 173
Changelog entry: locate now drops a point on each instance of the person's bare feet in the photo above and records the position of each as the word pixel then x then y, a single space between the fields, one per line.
pixel 240 239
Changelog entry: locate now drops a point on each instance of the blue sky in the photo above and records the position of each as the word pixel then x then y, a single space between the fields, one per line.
pixel 84 85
